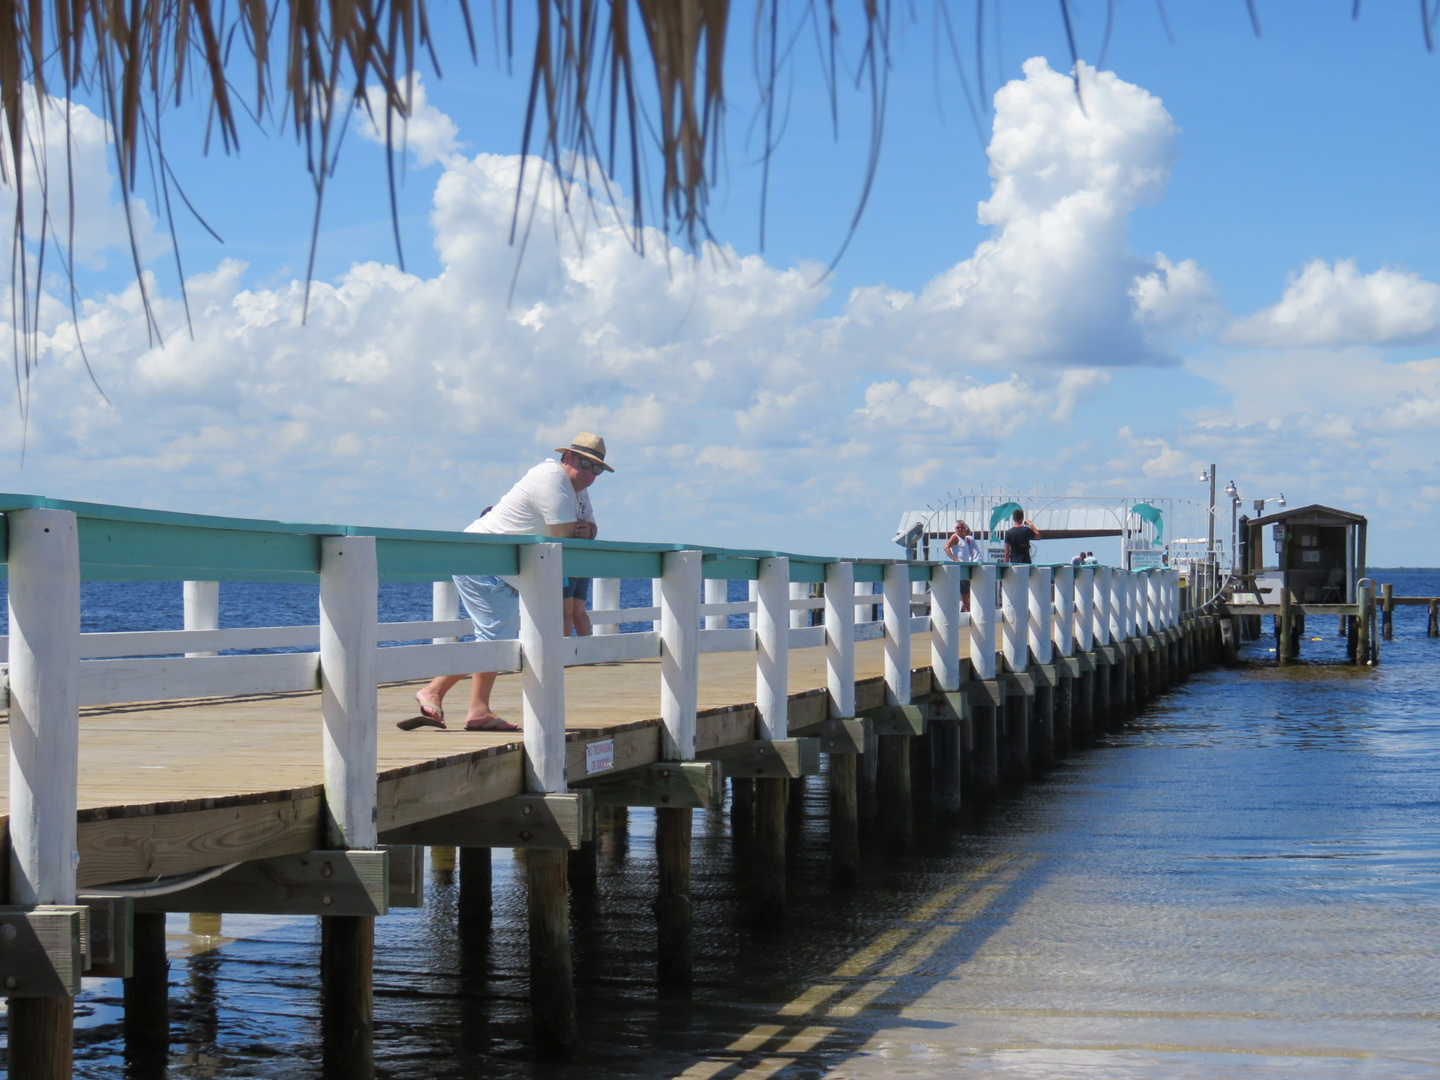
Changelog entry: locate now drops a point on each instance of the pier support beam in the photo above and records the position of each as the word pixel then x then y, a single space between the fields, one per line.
pixel 674 917
pixel 845 817
pixel 893 792
pixel 347 1006
pixel 1042 723
pixel 1063 725
pixel 1387 605
pixel 147 994
pixel 772 797
pixel 474 903
pixel 552 986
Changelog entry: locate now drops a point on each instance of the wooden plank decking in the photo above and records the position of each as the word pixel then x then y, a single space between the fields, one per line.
pixel 168 788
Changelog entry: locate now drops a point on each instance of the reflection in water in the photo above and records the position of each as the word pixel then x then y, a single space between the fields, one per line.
pixel 1242 883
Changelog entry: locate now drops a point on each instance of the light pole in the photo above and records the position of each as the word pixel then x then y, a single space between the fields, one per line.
pixel 1208 477
pixel 1260 503
pixel 1234 493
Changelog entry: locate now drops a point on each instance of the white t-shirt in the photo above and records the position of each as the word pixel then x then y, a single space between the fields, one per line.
pixel 967 550
pixel 542 497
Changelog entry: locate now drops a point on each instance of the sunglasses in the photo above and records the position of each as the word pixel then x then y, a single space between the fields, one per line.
pixel 586 465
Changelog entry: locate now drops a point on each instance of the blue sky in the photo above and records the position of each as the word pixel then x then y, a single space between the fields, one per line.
pixel 1287 181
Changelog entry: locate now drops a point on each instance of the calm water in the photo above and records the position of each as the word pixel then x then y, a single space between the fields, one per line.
pixel 1245 882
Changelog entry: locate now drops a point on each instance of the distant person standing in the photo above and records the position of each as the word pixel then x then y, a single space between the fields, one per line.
pixel 1019 537
pixel 963 547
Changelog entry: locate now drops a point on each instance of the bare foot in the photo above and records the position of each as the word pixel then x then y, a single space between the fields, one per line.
pixel 430 708
pixel 489 722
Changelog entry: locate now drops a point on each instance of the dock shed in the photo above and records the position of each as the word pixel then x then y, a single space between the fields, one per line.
pixel 1317 552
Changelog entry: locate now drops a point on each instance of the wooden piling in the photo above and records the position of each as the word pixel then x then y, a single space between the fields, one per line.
pixel 893 791
pixel 1015 744
pixel 1432 628
pixel 983 771
pixel 552 990
pixel 1286 628
pixel 674 916
pixel 1362 626
pixel 844 818
pixel 1387 603
pixel 612 834
pixel 474 902
pixel 742 807
pixel 1042 727
pixel 771 800
pixel 147 992
pixel 347 1026
pixel 1101 709
pixel 42 1038
pixel 1082 709
pixel 1064 712
pixel 946 757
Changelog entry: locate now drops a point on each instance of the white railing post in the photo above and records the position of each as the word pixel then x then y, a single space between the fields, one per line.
pixel 349 603
pixel 983 620
pixel 867 611
pixel 772 647
pixel 1154 604
pixel 444 605
pixel 799 590
pixel 542 664
pixel 897 632
pixel 716 592
pixel 44 705
pixel 679 652
pixel 945 625
pixel 1085 608
pixel 605 596
pixel 840 637
pixel 1102 615
pixel 1042 614
pixel 202 608
pixel 1064 636
pixel 1116 590
pixel 752 594
pixel 1014 588
pixel 655 601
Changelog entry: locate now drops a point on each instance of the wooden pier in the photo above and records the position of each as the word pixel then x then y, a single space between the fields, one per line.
pixel 151 772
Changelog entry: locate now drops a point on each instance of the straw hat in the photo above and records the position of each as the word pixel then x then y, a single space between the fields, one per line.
pixel 588 445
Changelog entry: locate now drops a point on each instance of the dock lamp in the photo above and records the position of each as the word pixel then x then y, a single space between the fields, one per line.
pixel 1234 493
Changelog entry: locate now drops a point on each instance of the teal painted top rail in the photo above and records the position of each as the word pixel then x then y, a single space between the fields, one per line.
pixel 124 543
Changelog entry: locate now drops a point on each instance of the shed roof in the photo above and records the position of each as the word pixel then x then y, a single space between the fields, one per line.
pixel 1314 514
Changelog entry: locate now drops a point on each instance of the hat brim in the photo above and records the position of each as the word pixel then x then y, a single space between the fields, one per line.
pixel 585 454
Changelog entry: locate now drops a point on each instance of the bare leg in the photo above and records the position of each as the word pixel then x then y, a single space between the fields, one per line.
pixel 581 618
pixel 568 613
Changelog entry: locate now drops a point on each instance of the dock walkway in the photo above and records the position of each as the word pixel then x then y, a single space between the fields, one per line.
pixel 253 780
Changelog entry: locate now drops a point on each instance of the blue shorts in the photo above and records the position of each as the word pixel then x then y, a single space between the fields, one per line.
pixel 493 607
pixel 576 588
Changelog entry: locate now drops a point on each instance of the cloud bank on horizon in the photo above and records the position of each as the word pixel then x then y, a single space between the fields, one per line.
pixel 735 413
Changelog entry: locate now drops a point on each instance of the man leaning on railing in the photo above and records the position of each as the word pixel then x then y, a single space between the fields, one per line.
pixel 545 501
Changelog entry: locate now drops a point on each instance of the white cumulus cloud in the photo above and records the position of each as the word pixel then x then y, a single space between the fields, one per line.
pixel 1336 305
pixel 1057 284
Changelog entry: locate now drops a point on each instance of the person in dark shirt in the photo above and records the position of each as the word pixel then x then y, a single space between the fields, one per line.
pixel 1017 539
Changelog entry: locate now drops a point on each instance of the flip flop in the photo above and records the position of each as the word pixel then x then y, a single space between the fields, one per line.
pixel 418 722
pixel 492 724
